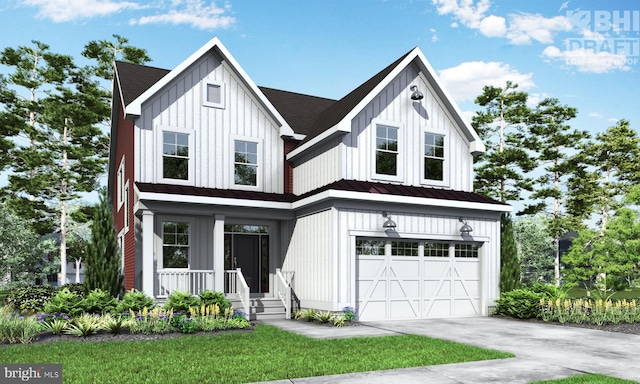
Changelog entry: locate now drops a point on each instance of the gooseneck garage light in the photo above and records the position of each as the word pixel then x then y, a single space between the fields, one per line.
pixel 388 224
pixel 466 228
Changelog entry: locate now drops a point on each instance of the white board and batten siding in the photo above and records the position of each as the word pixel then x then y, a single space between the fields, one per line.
pixel 180 105
pixel 352 156
pixel 310 255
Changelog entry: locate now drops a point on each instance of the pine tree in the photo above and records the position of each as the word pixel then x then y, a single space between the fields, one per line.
pixel 509 262
pixel 102 260
pixel 501 171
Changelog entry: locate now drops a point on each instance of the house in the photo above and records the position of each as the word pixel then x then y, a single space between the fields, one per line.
pixel 265 194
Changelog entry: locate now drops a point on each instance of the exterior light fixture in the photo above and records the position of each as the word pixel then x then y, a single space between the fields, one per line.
pixel 416 95
pixel 466 228
pixel 388 224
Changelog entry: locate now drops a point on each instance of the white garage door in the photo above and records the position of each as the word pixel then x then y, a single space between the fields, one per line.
pixel 416 279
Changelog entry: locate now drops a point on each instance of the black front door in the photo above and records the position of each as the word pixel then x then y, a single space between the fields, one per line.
pixel 246 255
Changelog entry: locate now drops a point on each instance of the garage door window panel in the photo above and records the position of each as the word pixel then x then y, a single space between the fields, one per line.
pixel 404 248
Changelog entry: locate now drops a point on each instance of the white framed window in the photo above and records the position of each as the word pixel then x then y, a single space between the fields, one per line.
pixel 121 249
pixel 175 244
pixel 388 151
pixel 176 155
pixel 247 154
pixel 213 94
pixel 120 183
pixel 434 166
pixel 126 207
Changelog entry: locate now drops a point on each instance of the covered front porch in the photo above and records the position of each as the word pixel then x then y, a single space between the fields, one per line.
pixel 236 255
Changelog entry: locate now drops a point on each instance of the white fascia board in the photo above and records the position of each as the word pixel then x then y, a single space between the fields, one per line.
pixel 135 108
pixel 394 199
pixel 173 198
pixel 339 129
pixel 476 146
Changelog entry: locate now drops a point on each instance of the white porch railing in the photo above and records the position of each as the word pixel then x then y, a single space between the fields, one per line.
pixel 188 280
pixel 283 290
pixel 243 293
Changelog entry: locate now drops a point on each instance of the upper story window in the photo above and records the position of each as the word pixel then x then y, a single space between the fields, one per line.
pixel 213 94
pixel 120 180
pixel 434 170
pixel 388 152
pixel 175 244
pixel 246 163
pixel 177 156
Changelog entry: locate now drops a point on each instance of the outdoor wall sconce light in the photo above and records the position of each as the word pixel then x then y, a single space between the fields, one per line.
pixel 388 224
pixel 466 228
pixel 416 95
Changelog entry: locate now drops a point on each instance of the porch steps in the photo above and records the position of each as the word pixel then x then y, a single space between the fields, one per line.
pixel 263 308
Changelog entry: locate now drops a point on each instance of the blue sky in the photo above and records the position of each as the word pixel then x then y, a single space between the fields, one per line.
pixel 585 53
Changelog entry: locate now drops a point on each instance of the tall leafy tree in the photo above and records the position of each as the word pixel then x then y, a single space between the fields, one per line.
pixel 555 143
pixel 105 52
pixel 102 259
pixel 21 251
pixel 509 263
pixel 535 248
pixel 501 171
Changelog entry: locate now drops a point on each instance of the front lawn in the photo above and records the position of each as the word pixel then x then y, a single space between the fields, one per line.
pixel 586 379
pixel 267 353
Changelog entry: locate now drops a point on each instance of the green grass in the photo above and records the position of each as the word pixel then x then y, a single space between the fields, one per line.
pixel 629 293
pixel 267 353
pixel 587 379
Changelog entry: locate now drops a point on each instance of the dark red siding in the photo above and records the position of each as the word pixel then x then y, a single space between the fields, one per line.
pixel 288 167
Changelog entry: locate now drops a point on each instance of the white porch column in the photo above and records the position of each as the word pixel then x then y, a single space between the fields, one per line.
pixel 148 236
pixel 218 253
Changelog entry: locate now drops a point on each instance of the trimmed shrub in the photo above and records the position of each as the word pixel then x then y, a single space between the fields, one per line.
pixel 214 298
pixel 135 301
pixel 30 299
pixel 181 301
pixel 77 288
pixel 519 303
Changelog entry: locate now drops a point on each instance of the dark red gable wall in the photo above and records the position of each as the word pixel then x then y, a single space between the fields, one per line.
pixel 288 167
pixel 124 146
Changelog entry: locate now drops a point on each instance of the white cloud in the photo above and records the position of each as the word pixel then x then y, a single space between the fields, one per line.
pixel 434 35
pixel 69 10
pixel 523 28
pixel 535 98
pixel 594 114
pixel 493 26
pixel 465 11
pixel 588 61
pixel 465 81
pixel 191 12
pixel 613 119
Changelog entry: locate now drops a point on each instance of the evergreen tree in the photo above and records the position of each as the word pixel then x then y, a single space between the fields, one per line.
pixel 509 262
pixel 555 143
pixel 501 171
pixel 102 259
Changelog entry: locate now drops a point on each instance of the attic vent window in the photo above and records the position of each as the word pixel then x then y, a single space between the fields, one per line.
pixel 213 94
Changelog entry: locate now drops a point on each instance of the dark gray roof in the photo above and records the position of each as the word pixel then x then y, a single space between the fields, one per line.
pixel 134 79
pixel 307 115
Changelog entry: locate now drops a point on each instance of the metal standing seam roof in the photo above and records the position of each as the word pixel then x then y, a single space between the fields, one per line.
pixel 341 185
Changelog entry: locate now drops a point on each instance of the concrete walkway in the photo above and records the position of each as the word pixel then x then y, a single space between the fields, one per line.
pixel 543 351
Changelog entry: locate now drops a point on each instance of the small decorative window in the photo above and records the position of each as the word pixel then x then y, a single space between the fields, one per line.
pixel 120 186
pixel 370 247
pixel 466 250
pixel 213 94
pixel 433 157
pixel 175 155
pixel 175 244
pixel 386 150
pixel 126 207
pixel 404 248
pixel 436 250
pixel 245 163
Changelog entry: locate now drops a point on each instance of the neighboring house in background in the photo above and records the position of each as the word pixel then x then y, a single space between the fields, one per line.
pixel 75 268
pixel 220 184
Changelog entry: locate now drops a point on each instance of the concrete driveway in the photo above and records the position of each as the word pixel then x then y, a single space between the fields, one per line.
pixel 543 351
